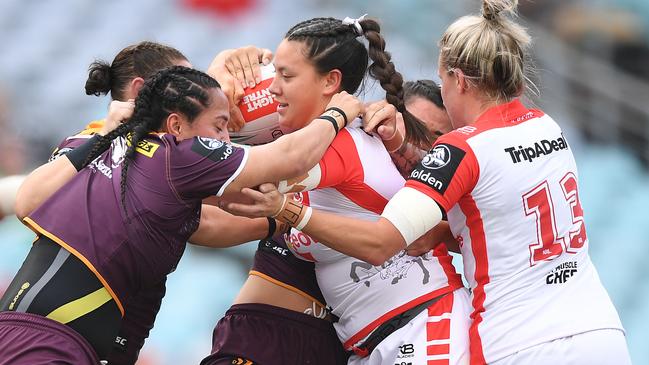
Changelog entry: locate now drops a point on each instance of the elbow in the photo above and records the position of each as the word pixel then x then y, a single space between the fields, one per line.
pixel 377 255
pixel 21 208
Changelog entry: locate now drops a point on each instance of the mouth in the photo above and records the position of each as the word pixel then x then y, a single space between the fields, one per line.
pixel 281 107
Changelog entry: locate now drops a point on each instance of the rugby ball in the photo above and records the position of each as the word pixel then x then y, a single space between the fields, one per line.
pixel 259 110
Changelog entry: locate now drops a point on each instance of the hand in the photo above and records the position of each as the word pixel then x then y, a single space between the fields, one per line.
pixel 422 245
pixel 231 87
pixel 266 202
pixel 381 117
pixel 118 112
pixel 438 234
pixel 347 103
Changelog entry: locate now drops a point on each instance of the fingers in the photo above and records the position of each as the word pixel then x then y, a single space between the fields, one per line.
pixel 266 56
pixel 267 188
pixel 263 204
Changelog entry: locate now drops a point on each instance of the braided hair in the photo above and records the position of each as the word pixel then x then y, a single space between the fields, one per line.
pixel 139 60
pixel 332 45
pixel 175 89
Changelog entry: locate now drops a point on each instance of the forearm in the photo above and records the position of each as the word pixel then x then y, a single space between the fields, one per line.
pixel 304 148
pixel 371 241
pixel 220 229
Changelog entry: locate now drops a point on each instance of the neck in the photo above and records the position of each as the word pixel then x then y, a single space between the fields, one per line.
pixel 475 106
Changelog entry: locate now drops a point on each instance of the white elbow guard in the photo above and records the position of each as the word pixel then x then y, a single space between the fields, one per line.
pixel 413 213
pixel 8 189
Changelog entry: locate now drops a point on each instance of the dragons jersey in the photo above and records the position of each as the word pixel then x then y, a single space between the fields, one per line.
pixel 508 184
pixel 357 177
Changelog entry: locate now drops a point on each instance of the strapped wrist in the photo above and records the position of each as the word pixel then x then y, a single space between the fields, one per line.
pixel 337 112
pixel 272 226
pixel 79 155
pixel 295 214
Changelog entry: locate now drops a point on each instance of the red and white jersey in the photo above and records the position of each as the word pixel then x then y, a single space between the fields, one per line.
pixel 508 184
pixel 356 179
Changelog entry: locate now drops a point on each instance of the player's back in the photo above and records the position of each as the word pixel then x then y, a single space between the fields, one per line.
pixel 523 237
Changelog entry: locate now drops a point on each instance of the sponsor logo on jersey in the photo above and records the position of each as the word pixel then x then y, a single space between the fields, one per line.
pixel 561 273
pixel 406 350
pixel 146 148
pixel 466 130
pixel 438 167
pixel 541 148
pixel 121 342
pixel 214 149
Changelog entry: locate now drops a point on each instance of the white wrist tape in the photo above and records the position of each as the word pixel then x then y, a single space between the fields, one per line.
pixel 413 213
pixel 305 219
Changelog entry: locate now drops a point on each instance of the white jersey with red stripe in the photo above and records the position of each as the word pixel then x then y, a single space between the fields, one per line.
pixel 356 178
pixel 509 186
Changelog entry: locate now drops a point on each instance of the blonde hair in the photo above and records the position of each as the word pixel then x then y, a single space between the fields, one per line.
pixel 491 50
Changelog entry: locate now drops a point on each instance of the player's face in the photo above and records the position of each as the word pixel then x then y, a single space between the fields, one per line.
pixel 435 118
pixel 211 122
pixel 450 95
pixel 298 87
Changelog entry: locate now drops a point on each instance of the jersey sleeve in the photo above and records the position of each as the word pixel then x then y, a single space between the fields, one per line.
pixel 447 172
pixel 200 167
pixel 340 162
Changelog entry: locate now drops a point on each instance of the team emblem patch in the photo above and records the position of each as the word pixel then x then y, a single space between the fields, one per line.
pixel 210 143
pixel 213 149
pixel 438 167
pixel 439 157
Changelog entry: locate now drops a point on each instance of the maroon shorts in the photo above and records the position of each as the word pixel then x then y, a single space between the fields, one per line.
pixel 30 339
pixel 269 335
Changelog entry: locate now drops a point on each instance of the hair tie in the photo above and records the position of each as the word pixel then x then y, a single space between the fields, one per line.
pixel 356 23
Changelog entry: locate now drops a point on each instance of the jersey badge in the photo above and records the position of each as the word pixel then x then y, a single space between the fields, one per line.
pixel 214 149
pixel 438 166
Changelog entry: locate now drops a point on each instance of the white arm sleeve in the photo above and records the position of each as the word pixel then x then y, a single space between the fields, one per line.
pixel 413 213
pixel 8 189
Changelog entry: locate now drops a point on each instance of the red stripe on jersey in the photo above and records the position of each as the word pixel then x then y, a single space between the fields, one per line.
pixel 398 310
pixel 446 261
pixel 437 362
pixel 341 168
pixel 479 249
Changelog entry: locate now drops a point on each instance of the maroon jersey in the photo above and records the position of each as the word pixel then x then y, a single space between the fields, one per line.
pixel 166 182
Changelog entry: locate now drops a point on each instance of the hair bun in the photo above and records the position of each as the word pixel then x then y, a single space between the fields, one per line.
pixel 99 78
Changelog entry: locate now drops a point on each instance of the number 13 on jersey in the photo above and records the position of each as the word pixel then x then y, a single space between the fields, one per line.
pixel 539 202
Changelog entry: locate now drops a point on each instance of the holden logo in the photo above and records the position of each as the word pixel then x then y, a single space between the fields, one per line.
pixel 210 143
pixel 437 158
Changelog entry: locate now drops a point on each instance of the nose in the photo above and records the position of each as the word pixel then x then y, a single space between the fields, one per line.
pixel 274 87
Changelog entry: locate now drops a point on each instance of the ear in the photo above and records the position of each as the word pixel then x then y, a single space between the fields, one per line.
pixel 174 124
pixel 332 81
pixel 461 81
pixel 134 87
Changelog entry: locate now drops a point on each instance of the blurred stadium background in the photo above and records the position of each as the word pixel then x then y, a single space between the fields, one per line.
pixel 593 74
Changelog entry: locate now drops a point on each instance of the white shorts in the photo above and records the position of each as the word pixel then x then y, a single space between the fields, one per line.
pixel 598 347
pixel 437 336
